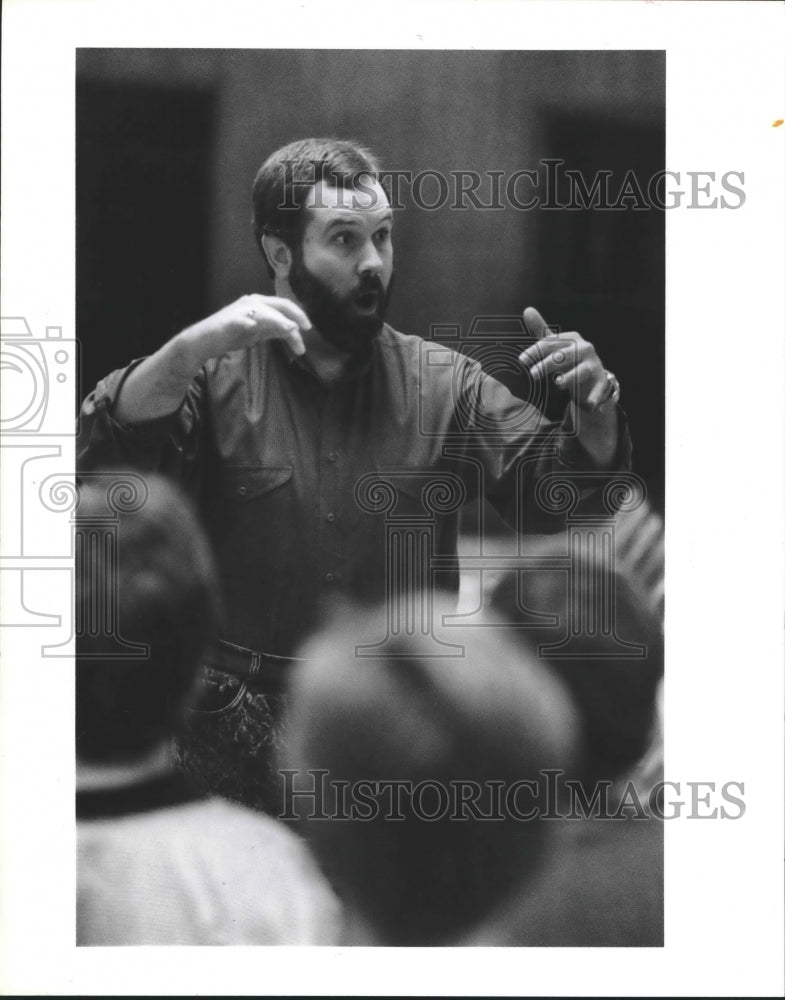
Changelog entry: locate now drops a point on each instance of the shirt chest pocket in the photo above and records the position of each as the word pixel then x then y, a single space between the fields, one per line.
pixel 251 482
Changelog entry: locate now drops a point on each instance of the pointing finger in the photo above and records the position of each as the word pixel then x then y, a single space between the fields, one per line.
pixel 535 324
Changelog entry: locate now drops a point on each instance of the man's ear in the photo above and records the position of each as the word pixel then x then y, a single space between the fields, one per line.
pixel 278 255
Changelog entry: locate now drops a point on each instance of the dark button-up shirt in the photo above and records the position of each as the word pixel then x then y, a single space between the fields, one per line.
pixel 311 490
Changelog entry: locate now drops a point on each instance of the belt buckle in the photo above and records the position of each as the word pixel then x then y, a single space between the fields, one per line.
pixel 218 692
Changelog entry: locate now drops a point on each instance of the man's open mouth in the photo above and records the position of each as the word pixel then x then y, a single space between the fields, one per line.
pixel 367 300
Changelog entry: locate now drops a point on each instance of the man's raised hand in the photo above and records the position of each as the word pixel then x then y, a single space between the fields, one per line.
pixel 570 360
pixel 157 386
pixel 241 324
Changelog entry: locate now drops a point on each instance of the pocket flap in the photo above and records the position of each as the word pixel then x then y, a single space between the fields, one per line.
pixel 247 482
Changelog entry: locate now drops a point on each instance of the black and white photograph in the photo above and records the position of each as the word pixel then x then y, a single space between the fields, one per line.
pixel 370 505
pixel 335 461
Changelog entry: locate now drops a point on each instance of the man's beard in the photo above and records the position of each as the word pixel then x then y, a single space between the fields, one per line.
pixel 338 318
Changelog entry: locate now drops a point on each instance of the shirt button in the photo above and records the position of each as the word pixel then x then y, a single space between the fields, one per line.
pixel 242 490
pixel 329 577
pixel 331 518
pixel 332 456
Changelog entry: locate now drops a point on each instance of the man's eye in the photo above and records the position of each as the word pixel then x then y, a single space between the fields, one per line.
pixel 344 239
pixel 382 235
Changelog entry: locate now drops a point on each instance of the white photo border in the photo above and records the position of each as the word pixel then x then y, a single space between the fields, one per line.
pixel 724 475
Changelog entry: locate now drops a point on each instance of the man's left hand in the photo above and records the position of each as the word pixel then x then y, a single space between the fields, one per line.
pixel 571 361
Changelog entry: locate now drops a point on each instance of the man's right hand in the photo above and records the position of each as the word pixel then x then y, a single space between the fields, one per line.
pixel 157 387
pixel 241 324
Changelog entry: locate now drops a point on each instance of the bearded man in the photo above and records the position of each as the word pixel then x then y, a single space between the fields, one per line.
pixel 275 411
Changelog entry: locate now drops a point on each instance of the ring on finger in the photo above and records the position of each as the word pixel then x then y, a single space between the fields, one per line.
pixel 251 314
pixel 614 390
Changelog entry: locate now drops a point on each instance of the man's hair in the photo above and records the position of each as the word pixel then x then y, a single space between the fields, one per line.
pixel 616 694
pixel 285 178
pixel 478 716
pixel 154 567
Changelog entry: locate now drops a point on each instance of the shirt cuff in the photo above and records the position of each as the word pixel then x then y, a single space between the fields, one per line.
pixel 573 455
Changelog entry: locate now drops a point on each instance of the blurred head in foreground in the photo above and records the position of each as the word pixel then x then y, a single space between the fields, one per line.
pixel 424 862
pixel 157 582
pixel 612 673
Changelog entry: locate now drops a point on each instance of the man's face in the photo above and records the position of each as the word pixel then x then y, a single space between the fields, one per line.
pixel 342 271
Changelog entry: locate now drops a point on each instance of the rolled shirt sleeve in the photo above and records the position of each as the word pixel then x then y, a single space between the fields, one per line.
pixel 170 445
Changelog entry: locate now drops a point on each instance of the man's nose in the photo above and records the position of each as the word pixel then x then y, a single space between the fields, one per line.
pixel 370 261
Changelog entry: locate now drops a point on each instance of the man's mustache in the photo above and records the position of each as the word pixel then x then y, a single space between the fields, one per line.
pixel 370 283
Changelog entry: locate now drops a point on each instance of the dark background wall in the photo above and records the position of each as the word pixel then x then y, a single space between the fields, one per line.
pixel 168 142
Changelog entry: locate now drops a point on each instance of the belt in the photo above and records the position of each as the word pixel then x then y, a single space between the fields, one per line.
pixel 264 670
